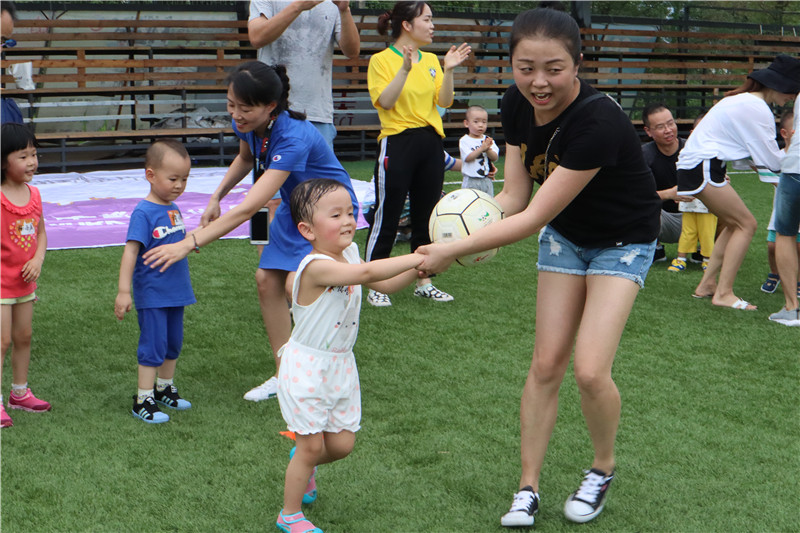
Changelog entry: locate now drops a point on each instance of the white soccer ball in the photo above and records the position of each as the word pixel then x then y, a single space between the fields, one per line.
pixel 461 213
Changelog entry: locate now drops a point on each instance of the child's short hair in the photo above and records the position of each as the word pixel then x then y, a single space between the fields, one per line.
pixel 14 137
pixel 306 195
pixel 475 107
pixel 786 119
pixel 155 153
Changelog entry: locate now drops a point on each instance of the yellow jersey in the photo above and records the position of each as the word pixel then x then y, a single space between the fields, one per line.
pixel 416 105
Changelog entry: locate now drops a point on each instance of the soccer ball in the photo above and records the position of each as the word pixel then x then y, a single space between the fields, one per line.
pixel 460 213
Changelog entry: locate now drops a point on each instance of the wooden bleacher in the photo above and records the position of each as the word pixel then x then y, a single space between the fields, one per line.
pixel 103 85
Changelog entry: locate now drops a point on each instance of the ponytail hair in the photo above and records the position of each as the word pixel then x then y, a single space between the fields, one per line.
pixel 255 83
pixel 401 12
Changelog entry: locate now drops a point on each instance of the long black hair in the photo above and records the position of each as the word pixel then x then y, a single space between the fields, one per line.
pixel 255 83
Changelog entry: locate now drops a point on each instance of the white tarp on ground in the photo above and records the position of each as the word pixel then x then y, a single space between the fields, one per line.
pixel 93 209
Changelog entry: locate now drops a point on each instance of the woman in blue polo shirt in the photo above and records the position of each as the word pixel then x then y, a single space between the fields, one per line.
pixel 282 149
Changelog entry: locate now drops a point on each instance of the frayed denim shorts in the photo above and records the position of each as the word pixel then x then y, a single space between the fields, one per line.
pixel 558 254
pixel 787 204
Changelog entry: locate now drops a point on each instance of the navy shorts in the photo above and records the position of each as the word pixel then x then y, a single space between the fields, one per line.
pixel 558 254
pixel 161 334
pixel 692 181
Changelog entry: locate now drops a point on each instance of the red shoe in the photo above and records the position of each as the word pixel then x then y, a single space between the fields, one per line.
pixel 27 402
pixel 5 420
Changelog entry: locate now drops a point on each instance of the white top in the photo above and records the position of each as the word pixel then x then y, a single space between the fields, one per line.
pixel 329 323
pixel 791 163
pixel 737 127
pixel 695 206
pixel 306 48
pixel 480 166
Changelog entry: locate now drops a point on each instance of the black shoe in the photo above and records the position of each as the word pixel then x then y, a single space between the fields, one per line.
pixel 148 411
pixel 696 258
pixel 169 397
pixel 587 502
pixel 659 255
pixel 524 506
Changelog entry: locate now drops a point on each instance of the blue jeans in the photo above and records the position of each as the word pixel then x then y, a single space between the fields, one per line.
pixel 327 130
pixel 557 254
pixel 787 205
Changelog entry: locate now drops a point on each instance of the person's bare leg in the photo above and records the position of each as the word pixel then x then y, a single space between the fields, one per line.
pixel 609 301
pixel 559 305
pixel 786 257
pixel 740 226
pixel 274 309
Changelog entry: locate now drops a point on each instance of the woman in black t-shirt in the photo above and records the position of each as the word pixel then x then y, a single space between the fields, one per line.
pixel 598 213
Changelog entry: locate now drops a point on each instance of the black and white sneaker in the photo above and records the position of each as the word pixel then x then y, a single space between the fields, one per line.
pixel 378 299
pixel 169 397
pixel 524 506
pixel 431 292
pixel 659 254
pixel 588 501
pixel 148 411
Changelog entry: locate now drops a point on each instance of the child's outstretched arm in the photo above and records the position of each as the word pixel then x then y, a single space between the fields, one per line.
pixel 33 268
pixel 124 301
pixel 399 281
pixel 390 274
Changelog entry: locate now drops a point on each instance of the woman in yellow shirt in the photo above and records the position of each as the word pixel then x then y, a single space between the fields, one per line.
pixel 405 85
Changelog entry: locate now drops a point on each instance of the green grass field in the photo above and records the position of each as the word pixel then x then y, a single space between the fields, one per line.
pixel 709 438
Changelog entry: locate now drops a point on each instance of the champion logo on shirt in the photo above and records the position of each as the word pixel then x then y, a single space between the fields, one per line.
pixel 276 158
pixel 162 231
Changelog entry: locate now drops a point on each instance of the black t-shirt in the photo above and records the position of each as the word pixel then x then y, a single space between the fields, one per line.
pixel 619 205
pixel 664 170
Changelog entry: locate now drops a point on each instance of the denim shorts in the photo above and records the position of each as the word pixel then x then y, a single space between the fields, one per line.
pixel 771 235
pixel 327 130
pixel 787 204
pixel 557 254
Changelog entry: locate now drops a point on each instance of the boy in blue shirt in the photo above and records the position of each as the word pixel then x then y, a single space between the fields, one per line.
pixel 160 296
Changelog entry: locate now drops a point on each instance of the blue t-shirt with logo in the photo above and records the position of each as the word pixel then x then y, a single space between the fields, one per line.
pixel 297 147
pixel 153 225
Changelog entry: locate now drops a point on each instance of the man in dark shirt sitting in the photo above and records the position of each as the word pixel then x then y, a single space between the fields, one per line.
pixel 661 154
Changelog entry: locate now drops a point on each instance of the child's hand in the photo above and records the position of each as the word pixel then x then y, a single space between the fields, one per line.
pixel 122 305
pixel 436 260
pixel 486 144
pixel 31 270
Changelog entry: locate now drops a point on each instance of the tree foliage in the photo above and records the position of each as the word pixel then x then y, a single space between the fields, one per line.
pixel 783 13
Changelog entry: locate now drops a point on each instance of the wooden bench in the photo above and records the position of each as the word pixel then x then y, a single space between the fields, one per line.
pixel 122 76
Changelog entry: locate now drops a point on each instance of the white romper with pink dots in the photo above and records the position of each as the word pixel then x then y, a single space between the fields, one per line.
pixel 318 387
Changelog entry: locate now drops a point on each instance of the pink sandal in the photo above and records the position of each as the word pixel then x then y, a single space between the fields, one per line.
pixel 5 420
pixel 296 523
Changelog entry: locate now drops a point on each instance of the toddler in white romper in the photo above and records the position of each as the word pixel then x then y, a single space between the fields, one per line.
pixel 318 387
